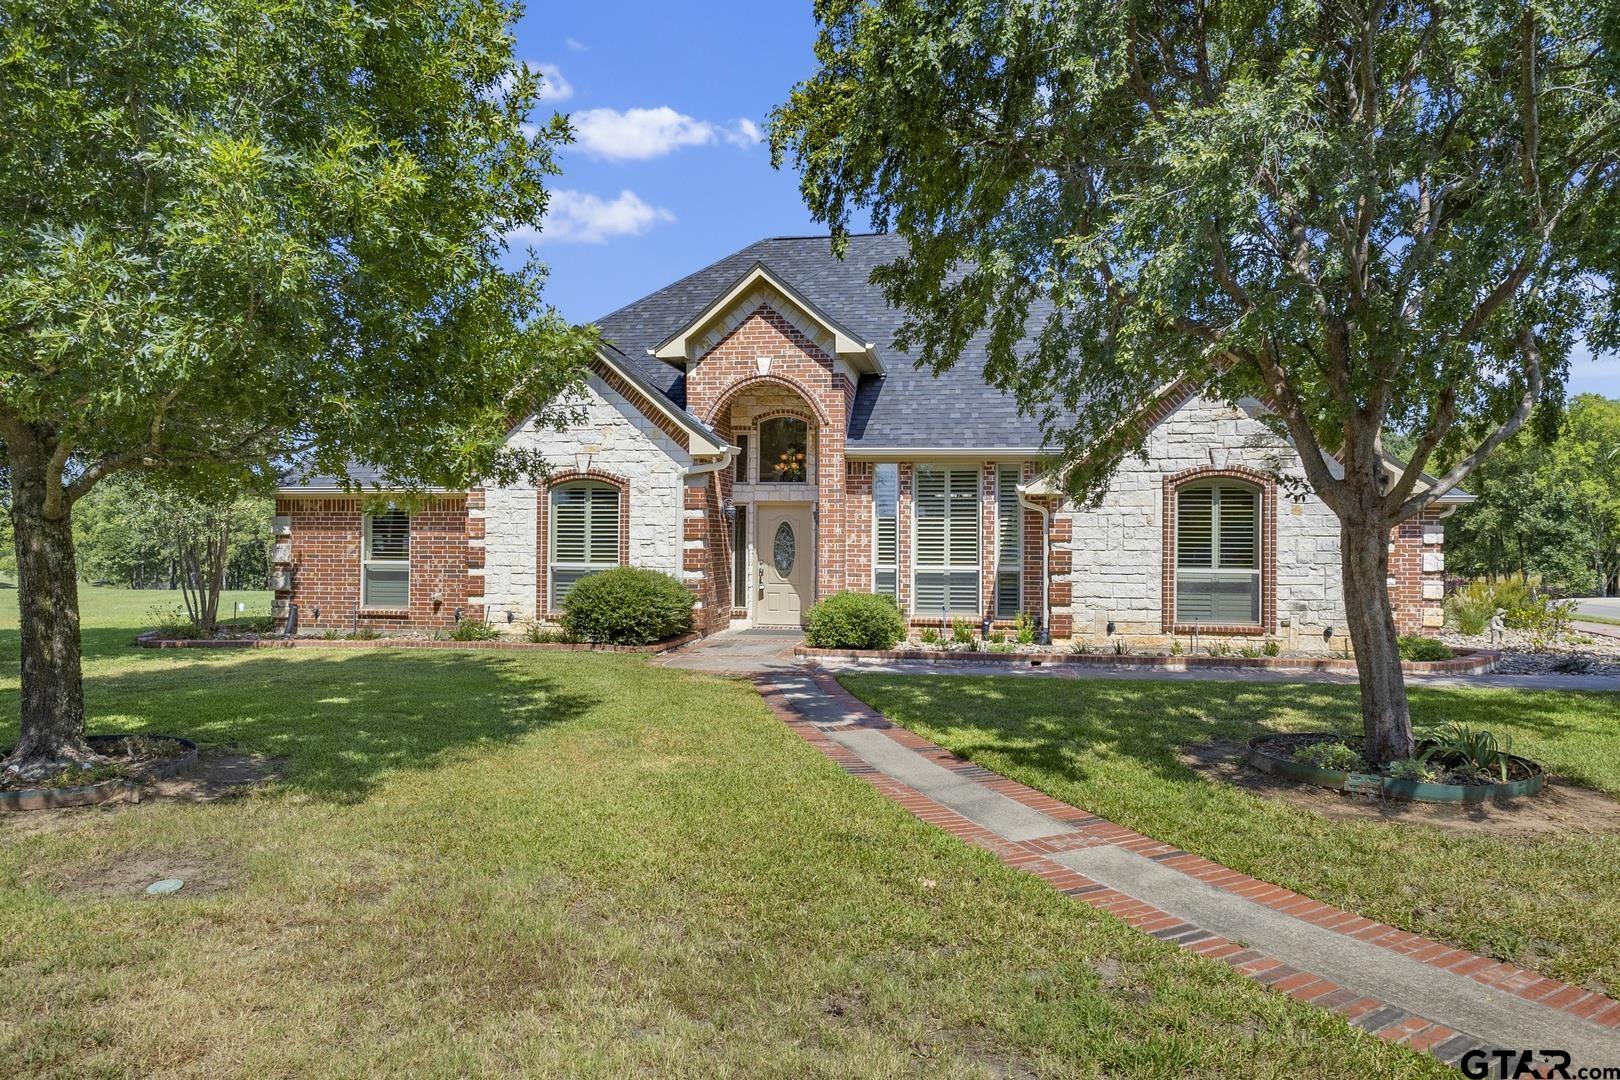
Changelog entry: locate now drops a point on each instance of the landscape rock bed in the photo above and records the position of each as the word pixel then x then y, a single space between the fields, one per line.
pixel 1275 754
pixel 127 755
pixel 1523 653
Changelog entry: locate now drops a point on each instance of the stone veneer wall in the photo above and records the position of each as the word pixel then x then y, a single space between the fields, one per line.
pixel 1107 563
pixel 612 438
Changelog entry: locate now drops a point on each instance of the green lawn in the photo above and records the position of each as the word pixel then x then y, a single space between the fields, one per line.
pixel 563 863
pixel 1111 747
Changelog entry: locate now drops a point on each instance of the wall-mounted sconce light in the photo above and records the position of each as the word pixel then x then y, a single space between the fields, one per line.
pixel 1110 627
pixel 731 513
pixel 509 618
pixel 458 615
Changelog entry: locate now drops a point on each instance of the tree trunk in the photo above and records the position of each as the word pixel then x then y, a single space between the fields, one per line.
pixel 48 615
pixel 1385 718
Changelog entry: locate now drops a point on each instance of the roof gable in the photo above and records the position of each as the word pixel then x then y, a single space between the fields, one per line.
pixel 758 286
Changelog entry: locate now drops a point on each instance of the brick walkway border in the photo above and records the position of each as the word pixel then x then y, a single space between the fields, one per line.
pixel 150 640
pixel 1466 662
pixel 1365 1011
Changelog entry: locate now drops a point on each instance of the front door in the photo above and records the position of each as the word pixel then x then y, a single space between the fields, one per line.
pixel 785 551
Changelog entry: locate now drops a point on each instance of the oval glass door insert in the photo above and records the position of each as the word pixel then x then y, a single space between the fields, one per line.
pixel 783 550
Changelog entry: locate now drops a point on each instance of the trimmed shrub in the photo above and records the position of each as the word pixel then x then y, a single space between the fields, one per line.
pixel 1418 647
pixel 627 606
pixel 852 620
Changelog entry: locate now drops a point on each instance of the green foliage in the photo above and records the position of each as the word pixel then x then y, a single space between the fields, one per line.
pixel 854 620
pixel 538 633
pixel 1272 647
pixel 129 532
pixel 1527 607
pixel 961 632
pixel 1116 197
pixel 1024 629
pixel 1330 755
pixel 266 214
pixel 627 606
pixel 467 630
pixel 928 636
pixel 1475 753
pixel 1414 769
pixel 1175 647
pixel 997 637
pixel 1551 511
pixel 1418 647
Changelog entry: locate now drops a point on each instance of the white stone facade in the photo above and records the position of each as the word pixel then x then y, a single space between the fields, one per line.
pixel 612 437
pixel 1117 549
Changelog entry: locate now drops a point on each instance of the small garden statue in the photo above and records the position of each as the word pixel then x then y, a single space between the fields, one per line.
pixel 1498 626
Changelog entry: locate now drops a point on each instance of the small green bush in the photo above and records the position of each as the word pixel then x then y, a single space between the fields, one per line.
pixel 1412 769
pixel 1024 629
pixel 627 606
pixel 1331 755
pixel 1273 647
pixel 853 620
pixel 928 636
pixel 473 630
pixel 961 632
pixel 1418 647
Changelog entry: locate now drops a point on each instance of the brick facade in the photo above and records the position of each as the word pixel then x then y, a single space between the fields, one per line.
pixel 1417 573
pixel 323 548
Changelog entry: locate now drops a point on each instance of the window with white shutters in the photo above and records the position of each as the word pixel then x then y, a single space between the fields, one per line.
pixel 886 526
pixel 584 534
pixel 385 560
pixel 945 542
pixel 1009 544
pixel 1218 554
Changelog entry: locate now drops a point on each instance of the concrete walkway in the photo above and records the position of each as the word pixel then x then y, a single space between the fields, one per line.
pixel 738 652
pixel 1397 985
pixel 1207 674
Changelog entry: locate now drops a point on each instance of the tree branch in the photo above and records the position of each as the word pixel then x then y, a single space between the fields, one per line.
pixel 1530 350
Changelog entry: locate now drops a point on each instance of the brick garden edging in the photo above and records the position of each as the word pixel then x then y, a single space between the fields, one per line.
pixel 1369 1012
pixel 1469 662
pixel 150 640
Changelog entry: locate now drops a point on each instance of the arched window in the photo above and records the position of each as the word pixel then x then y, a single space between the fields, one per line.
pixel 1218 576
pixel 584 534
pixel 784 451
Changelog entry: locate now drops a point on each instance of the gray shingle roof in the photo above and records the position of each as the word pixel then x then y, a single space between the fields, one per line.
pixel 903 408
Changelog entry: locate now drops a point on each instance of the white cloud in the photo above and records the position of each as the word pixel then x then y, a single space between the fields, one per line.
pixel 577 217
pixel 743 132
pixel 641 134
pixel 553 87
pixel 575 45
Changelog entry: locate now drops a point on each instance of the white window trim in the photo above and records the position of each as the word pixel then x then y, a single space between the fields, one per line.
pixel 948 569
pixel 1215 569
pixel 1016 564
pixel 367 562
pixel 877 565
pixel 552 562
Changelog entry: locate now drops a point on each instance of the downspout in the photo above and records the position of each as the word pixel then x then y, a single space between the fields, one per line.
pixel 1046 546
pixel 708 468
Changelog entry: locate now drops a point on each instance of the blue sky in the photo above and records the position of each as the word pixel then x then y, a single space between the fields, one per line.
pixel 668 174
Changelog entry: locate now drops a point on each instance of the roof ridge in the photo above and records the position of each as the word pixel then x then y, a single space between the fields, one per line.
pixel 683 278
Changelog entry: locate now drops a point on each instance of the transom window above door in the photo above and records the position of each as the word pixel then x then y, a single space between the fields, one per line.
pixel 784 450
pixel 1218 577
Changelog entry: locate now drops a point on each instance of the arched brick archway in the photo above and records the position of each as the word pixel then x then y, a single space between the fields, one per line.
pixel 717 410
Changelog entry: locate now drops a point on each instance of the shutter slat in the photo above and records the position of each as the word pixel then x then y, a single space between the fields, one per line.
pixel 390 535
pixel 1195 523
pixel 604 526
pixel 1239 518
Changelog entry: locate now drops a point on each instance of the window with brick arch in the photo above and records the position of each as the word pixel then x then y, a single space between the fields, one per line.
pixel 584 534
pixel 784 450
pixel 1218 553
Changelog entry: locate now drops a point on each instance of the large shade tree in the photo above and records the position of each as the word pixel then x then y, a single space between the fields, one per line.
pixel 250 233
pixel 1372 215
